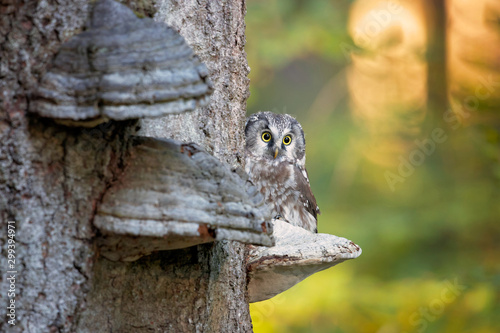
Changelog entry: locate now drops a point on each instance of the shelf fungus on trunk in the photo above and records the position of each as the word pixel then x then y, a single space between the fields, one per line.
pixel 297 254
pixel 173 195
pixel 121 67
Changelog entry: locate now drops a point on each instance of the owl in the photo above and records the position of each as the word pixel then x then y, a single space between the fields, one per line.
pixel 275 157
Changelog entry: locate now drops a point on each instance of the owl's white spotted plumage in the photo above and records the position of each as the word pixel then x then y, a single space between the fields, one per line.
pixel 275 157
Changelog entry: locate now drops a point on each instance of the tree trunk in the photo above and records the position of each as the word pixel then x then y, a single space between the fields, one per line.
pixel 53 177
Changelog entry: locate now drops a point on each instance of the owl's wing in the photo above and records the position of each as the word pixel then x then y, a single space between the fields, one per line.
pixel 309 201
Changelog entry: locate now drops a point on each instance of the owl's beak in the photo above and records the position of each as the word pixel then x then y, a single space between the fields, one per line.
pixel 275 153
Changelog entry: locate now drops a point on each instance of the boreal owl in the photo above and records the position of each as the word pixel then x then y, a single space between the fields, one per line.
pixel 275 157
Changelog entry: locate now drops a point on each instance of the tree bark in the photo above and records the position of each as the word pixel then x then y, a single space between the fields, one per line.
pixel 52 179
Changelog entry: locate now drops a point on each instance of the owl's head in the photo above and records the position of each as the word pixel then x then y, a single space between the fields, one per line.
pixel 275 137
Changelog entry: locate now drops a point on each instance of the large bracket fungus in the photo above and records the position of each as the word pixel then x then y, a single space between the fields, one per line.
pixel 173 195
pixel 298 253
pixel 121 67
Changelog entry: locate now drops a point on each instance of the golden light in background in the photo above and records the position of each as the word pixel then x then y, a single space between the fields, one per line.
pixel 446 215
pixel 473 60
pixel 387 79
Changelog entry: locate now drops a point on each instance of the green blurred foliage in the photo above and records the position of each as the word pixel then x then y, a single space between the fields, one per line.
pixel 279 32
pixel 431 247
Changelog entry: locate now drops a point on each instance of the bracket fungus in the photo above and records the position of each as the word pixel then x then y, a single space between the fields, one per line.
pixel 121 67
pixel 297 254
pixel 173 195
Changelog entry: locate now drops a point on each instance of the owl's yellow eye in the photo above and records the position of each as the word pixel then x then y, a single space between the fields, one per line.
pixel 287 140
pixel 266 136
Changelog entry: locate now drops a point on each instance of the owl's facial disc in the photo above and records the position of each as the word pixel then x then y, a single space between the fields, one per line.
pixel 275 138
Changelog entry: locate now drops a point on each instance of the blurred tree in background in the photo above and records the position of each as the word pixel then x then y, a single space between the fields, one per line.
pixel 399 101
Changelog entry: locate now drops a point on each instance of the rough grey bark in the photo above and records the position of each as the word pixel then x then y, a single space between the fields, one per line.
pixel 52 179
pixel 216 32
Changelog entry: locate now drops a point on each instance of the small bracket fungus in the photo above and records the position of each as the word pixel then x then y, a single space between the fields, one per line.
pixel 298 253
pixel 173 195
pixel 121 67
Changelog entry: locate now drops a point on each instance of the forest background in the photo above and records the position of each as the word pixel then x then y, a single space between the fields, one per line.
pixel 396 163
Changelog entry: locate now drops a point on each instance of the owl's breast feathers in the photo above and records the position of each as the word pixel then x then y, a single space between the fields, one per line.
pixel 286 187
